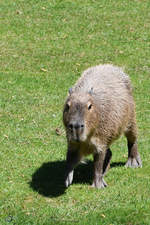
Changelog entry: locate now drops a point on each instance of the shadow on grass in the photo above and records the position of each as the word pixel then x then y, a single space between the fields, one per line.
pixel 48 180
pixel 117 164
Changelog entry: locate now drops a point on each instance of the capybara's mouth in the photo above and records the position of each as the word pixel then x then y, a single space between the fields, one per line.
pixel 75 137
pixel 76 133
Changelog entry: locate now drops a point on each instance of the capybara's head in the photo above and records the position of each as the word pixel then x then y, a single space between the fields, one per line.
pixel 78 116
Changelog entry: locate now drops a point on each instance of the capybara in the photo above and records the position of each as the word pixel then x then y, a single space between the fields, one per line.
pixel 98 110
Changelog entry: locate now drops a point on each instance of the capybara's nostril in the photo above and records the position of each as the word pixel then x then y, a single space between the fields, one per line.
pixel 70 126
pixel 76 126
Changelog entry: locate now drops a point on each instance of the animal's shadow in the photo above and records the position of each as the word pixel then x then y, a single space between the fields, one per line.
pixel 48 180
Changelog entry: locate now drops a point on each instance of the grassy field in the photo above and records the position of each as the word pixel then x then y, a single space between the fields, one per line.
pixel 44 47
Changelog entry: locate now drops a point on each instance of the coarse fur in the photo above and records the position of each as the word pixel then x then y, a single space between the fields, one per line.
pixel 98 110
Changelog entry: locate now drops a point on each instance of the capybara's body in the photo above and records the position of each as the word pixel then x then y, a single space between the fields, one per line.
pixel 99 108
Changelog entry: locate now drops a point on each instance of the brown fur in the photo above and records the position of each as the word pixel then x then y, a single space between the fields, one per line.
pixel 99 108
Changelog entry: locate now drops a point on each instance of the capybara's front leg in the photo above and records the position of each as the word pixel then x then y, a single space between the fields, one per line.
pixel 72 161
pixel 98 180
pixel 106 164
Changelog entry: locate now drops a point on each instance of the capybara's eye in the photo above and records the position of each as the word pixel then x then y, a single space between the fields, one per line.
pixel 89 106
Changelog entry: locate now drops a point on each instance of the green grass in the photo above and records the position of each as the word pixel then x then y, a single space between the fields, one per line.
pixel 44 47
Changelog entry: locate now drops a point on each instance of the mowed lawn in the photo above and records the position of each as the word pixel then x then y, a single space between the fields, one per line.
pixel 44 47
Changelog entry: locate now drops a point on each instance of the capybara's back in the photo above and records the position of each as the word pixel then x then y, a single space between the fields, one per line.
pixel 99 108
pixel 103 77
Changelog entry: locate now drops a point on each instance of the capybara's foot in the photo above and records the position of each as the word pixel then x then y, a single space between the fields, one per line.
pixel 100 184
pixel 134 162
pixel 69 179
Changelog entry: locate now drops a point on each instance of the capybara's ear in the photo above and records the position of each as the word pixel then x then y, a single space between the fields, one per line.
pixel 70 91
pixel 91 91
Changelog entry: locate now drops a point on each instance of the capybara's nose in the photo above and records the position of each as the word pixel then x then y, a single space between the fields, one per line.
pixel 76 125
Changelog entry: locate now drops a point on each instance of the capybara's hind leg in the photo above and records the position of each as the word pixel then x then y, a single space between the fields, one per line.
pixel 134 159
